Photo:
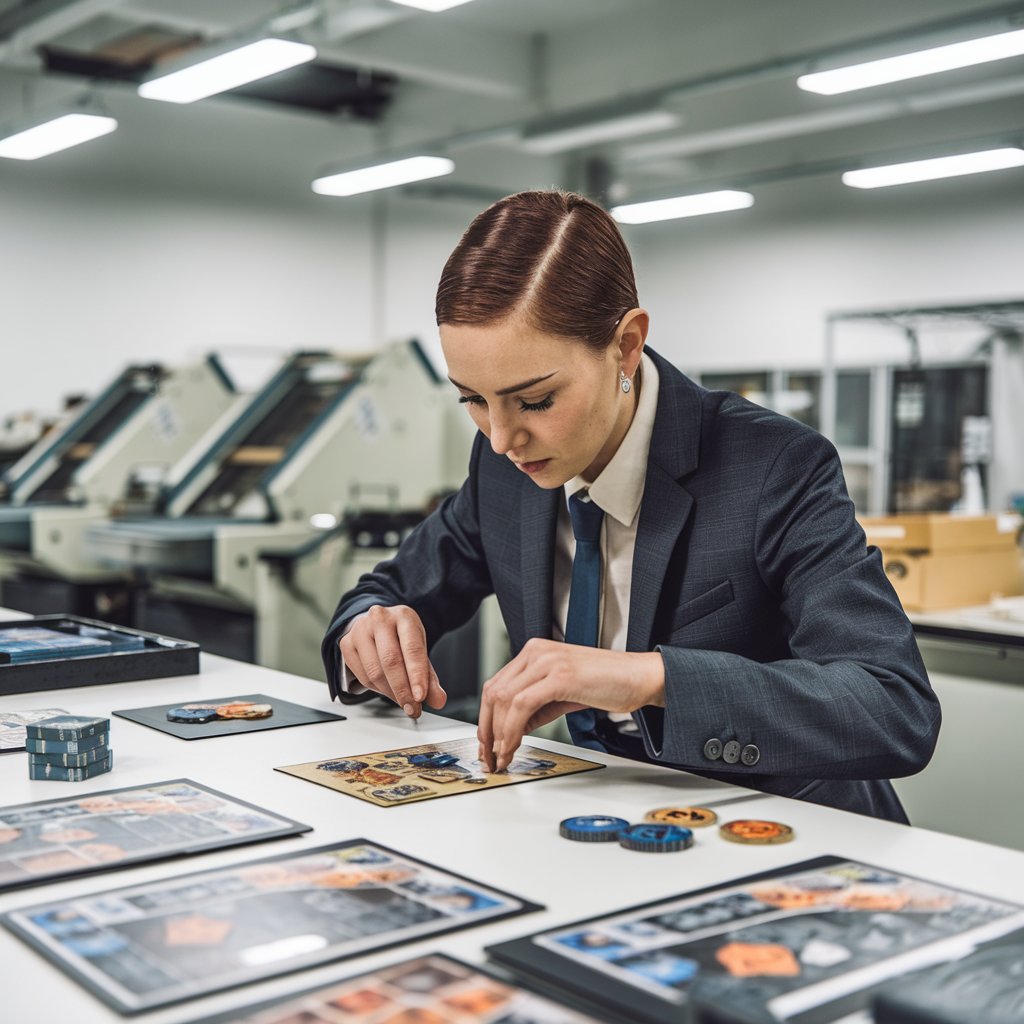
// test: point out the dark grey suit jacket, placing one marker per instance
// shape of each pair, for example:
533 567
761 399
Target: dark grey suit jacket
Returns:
777 625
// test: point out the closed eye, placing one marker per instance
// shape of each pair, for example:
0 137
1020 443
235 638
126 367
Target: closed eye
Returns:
545 403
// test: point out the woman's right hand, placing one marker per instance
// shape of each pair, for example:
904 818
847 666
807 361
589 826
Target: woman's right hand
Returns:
386 650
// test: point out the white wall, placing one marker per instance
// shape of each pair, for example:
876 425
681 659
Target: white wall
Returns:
93 280
753 288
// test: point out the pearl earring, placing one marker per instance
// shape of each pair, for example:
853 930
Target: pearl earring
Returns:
624 383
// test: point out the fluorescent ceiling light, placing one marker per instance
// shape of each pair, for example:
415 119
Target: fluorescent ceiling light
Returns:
682 206
929 170
434 6
914 65
397 172
55 135
228 71
561 134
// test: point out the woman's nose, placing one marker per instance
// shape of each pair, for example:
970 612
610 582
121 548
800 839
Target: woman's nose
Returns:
505 436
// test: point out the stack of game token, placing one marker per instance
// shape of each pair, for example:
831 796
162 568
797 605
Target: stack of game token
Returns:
69 748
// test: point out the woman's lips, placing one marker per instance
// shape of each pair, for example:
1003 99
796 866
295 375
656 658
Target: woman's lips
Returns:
533 467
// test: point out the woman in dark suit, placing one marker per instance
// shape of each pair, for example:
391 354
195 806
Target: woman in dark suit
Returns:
680 571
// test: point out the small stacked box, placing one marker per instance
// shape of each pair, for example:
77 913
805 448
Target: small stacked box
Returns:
69 748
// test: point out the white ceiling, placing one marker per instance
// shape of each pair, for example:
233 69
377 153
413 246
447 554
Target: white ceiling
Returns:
471 79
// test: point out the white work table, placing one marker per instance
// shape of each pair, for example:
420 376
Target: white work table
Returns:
507 838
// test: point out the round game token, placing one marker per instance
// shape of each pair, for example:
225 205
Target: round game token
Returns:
592 828
194 715
758 833
656 838
245 711
684 817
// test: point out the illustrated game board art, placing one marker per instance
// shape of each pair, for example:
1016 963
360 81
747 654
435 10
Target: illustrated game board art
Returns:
83 833
410 774
179 938
434 989
807 943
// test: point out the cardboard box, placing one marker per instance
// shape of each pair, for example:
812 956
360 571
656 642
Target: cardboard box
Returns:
942 532
945 561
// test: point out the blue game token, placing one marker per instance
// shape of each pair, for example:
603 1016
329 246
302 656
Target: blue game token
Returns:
191 714
592 828
433 759
656 838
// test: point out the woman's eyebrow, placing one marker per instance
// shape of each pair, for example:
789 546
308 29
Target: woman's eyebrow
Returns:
515 387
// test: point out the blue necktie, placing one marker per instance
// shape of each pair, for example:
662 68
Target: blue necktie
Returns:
582 620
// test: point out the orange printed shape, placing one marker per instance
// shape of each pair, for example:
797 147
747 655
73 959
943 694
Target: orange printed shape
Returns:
477 1000
871 899
785 897
758 960
195 930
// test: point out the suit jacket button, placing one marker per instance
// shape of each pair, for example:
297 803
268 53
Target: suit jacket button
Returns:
750 755
713 749
731 752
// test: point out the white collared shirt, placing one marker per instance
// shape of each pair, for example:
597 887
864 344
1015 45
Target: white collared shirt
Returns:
618 489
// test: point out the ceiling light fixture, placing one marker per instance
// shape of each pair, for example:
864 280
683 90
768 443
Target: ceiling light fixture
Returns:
228 70
940 167
434 6
915 65
682 206
561 133
54 135
387 175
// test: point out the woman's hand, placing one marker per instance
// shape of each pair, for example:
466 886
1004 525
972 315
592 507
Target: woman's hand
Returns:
386 650
548 679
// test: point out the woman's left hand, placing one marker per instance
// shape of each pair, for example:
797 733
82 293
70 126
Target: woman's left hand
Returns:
548 679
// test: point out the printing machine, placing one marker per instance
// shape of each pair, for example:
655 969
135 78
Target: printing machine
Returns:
109 457
315 480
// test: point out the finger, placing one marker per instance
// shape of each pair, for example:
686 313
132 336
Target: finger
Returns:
392 661
526 707
413 641
520 673
436 697
484 734
360 654
485 721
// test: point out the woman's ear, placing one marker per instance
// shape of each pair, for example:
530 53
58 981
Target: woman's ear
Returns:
632 332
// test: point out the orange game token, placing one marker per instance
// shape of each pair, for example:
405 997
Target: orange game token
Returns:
245 710
687 817
758 833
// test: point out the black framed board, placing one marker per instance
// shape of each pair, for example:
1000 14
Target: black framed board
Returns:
284 714
432 989
807 943
163 942
80 834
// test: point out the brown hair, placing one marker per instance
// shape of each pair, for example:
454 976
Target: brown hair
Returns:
555 258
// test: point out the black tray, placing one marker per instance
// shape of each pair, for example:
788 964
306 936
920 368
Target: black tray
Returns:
161 656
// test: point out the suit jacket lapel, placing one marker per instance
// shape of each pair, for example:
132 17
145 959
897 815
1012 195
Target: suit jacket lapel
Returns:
537 543
663 514
666 505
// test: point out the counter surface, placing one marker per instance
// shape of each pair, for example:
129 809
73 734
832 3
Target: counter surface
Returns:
507 838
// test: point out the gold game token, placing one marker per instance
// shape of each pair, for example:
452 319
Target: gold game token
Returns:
688 817
758 833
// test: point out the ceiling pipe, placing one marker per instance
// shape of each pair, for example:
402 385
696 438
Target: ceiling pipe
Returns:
776 129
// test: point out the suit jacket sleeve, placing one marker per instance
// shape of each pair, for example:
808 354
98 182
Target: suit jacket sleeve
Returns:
439 571
852 700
